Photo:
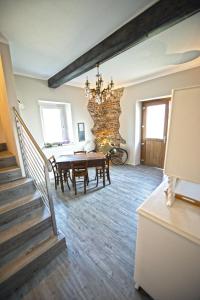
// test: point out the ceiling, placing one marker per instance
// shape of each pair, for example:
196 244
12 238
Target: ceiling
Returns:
173 50
47 35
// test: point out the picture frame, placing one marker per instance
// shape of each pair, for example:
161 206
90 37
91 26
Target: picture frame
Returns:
81 131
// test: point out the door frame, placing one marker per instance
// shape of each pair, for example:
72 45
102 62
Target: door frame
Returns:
144 104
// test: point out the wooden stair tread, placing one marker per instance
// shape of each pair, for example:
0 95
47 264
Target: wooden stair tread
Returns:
19 263
26 246
14 184
9 169
31 220
32 244
5 154
27 239
19 202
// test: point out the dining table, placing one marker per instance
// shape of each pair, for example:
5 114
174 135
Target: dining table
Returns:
93 159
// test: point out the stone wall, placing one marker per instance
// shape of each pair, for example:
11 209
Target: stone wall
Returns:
106 120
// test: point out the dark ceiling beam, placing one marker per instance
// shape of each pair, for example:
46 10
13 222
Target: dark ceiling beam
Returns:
155 19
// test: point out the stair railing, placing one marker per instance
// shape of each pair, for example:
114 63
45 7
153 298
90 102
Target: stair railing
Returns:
36 165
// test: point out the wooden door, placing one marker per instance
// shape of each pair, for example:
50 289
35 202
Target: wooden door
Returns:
154 132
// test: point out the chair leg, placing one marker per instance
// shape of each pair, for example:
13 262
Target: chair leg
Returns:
55 183
57 180
85 181
97 178
108 175
73 179
69 175
104 183
74 183
68 183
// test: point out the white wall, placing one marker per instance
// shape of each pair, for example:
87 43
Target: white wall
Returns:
29 91
150 89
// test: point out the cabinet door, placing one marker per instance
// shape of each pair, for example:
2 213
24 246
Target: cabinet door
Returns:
183 146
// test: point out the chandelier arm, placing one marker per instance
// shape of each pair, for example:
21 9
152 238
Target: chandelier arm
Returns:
99 93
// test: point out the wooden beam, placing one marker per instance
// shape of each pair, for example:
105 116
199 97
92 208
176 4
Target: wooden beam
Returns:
155 19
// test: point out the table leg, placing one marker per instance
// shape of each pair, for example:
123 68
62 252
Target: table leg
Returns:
61 181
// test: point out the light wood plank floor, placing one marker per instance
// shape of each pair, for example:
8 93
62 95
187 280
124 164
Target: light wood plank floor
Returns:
100 230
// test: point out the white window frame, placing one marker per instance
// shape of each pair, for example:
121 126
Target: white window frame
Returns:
66 120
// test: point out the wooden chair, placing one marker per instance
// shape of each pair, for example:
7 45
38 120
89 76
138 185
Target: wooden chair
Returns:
79 152
65 173
79 169
104 168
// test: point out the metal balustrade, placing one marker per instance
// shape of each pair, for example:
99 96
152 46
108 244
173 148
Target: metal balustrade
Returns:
36 165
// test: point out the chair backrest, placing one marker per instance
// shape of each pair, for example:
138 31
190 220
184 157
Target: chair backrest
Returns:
80 152
52 161
103 163
79 165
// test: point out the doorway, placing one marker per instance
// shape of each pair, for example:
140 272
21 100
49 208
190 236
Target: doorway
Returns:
154 132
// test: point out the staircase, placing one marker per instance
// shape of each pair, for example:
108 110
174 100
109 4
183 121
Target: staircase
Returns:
27 238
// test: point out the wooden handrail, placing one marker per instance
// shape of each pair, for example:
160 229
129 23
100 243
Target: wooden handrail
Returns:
46 162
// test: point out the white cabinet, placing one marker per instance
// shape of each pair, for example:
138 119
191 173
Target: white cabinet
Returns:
167 262
182 160
183 145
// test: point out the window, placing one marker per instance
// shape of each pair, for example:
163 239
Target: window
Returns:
155 121
56 122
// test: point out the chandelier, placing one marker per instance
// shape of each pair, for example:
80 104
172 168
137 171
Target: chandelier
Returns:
99 93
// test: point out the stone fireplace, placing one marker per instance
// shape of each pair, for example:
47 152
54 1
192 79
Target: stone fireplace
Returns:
106 120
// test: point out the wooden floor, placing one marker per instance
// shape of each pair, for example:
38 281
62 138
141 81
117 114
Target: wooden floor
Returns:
100 230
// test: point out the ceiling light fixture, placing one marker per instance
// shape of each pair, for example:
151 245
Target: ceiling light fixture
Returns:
99 93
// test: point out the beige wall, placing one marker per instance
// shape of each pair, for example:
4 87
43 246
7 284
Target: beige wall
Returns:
29 91
150 89
7 98
2 135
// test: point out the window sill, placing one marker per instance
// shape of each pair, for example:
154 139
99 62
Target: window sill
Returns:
58 146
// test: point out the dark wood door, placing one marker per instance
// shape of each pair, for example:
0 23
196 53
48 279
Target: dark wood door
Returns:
154 132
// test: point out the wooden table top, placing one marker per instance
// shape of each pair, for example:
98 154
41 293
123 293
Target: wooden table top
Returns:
93 160
80 157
